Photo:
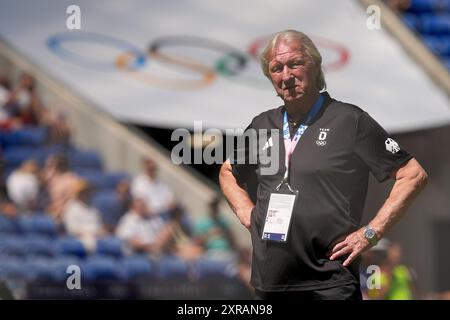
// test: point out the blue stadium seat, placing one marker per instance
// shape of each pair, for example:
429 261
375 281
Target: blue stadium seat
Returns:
109 206
13 268
172 267
447 62
113 178
39 268
412 21
435 24
43 153
439 45
100 180
14 156
109 246
28 136
85 159
420 6
39 246
209 267
100 268
60 264
70 246
12 246
136 267
8 225
38 224
95 177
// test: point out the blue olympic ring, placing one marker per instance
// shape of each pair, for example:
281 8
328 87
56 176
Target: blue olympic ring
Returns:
55 44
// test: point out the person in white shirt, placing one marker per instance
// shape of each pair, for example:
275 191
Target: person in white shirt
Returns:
147 186
23 185
142 230
81 220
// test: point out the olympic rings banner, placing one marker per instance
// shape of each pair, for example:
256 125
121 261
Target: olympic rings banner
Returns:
132 59
170 63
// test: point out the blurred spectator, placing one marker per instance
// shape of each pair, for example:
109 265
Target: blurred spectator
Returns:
8 208
122 205
399 5
24 102
182 244
124 195
397 281
142 230
4 97
23 185
157 195
59 130
59 182
80 219
213 232
400 279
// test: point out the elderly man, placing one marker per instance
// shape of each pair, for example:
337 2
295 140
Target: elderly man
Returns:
305 222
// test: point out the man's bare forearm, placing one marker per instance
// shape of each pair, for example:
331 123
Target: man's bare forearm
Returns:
236 195
410 180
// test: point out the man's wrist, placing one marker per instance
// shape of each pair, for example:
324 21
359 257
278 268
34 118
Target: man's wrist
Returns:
371 235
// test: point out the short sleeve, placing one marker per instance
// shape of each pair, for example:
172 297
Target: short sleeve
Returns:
377 149
243 162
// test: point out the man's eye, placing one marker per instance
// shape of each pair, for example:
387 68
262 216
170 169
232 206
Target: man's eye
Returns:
276 69
297 63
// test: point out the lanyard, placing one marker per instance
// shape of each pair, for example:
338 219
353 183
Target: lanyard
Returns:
289 145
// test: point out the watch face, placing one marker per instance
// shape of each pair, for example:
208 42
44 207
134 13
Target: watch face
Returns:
369 233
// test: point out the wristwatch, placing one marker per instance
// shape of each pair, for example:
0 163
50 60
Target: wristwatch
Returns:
370 235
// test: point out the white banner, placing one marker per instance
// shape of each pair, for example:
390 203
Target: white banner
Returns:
170 63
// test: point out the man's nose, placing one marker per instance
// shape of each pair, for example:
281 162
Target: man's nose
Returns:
287 74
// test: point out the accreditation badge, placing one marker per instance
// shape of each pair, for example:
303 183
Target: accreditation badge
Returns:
278 216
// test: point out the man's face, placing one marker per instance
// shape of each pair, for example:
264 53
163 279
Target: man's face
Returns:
292 71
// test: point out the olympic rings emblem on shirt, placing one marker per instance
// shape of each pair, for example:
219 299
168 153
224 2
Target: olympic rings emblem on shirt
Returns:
135 62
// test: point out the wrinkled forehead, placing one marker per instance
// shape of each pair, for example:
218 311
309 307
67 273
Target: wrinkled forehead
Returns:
284 46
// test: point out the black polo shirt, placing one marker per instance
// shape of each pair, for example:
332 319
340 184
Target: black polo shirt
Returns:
330 167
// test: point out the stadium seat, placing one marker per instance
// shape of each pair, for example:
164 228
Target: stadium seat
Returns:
12 246
28 136
215 268
100 268
172 267
14 156
439 45
85 159
60 264
39 268
94 177
43 153
8 225
107 203
136 267
100 180
420 6
113 178
435 24
13 268
109 246
38 246
38 224
70 246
